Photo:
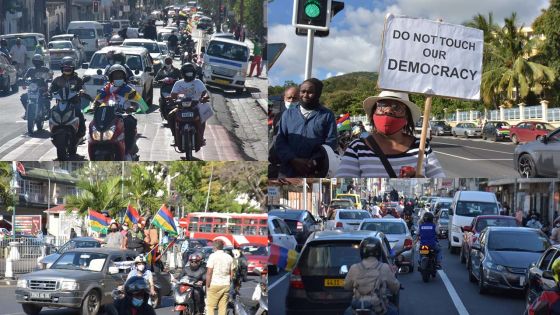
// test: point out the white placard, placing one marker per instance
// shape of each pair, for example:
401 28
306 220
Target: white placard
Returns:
430 57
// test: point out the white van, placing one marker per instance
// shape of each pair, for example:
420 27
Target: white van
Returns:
465 207
119 25
225 63
90 32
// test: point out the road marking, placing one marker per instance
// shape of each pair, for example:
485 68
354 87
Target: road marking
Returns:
464 158
466 146
278 281
453 294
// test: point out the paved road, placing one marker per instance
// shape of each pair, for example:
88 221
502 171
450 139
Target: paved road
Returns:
474 157
435 297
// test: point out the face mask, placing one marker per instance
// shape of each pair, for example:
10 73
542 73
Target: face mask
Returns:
290 104
140 267
136 302
168 67
388 125
118 82
113 230
67 72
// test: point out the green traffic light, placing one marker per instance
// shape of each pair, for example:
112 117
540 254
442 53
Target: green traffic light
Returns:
312 8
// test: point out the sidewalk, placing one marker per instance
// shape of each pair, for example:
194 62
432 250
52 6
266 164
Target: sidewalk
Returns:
260 83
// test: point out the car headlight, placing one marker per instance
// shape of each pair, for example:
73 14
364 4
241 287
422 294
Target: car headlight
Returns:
22 284
69 285
488 264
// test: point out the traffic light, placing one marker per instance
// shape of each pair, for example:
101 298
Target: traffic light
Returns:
95 6
335 7
312 14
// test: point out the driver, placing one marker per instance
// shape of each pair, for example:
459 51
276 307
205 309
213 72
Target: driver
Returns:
135 300
198 273
118 57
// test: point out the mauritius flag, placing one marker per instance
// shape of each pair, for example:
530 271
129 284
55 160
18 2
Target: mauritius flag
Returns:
131 216
164 220
98 222
343 123
282 257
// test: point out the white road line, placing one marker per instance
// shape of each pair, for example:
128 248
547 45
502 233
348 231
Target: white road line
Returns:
466 146
270 287
464 158
453 294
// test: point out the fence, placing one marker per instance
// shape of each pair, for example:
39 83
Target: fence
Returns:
26 251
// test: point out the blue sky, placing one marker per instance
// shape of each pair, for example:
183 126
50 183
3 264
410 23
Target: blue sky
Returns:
355 34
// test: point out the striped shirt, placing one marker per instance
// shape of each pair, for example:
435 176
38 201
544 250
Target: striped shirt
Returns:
360 161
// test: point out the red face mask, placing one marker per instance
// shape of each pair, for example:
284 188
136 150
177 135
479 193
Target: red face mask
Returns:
388 125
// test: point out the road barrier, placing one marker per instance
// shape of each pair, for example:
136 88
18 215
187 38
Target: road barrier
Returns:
23 252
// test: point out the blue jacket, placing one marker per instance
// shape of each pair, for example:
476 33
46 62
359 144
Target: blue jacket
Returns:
299 137
428 234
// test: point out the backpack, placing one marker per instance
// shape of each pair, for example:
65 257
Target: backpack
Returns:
370 288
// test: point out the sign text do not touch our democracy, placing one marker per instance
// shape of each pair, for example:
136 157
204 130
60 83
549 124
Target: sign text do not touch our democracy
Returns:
424 56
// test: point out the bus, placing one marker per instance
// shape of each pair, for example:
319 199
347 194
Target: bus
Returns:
233 228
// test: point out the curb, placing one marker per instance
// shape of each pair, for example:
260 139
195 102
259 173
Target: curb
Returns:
8 282
261 102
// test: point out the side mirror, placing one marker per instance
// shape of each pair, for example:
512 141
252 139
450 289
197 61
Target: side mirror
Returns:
466 229
547 274
85 65
343 270
99 72
113 270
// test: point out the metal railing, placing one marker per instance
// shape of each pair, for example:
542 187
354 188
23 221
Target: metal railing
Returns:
533 112
554 114
24 252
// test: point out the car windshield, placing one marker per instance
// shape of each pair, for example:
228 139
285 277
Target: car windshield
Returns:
78 244
325 259
60 45
516 241
340 203
483 223
439 123
80 261
385 227
469 125
444 205
475 208
152 48
353 215
83 33
254 250
289 214
99 61
228 51
28 41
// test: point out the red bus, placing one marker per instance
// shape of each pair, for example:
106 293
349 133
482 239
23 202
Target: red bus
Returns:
233 228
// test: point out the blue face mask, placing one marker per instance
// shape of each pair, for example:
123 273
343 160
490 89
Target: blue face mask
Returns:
118 82
136 302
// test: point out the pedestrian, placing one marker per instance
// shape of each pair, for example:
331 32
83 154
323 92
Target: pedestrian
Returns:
555 234
290 98
519 217
19 55
114 238
257 58
72 233
303 129
219 275
391 147
264 57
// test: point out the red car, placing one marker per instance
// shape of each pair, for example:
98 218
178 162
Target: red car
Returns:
470 233
257 257
529 131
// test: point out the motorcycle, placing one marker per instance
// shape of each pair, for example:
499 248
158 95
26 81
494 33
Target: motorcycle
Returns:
427 264
36 95
165 84
186 114
263 301
64 124
106 131
183 294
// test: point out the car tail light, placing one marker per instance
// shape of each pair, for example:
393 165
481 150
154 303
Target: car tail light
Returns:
299 226
339 224
408 242
295 279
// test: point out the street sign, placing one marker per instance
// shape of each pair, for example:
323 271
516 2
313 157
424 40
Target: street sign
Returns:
28 224
273 51
273 191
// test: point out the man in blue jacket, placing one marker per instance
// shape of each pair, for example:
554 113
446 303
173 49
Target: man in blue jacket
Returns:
303 129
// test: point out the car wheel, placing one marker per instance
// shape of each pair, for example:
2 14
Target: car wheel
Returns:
526 166
466 135
31 309
91 304
495 137
481 287
514 139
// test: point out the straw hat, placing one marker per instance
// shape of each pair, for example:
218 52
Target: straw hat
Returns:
390 95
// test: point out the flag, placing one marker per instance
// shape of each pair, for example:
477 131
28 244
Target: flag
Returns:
98 222
151 255
164 220
131 216
343 123
20 168
282 257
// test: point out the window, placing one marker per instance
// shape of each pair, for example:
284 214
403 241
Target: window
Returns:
220 228
228 51
29 42
235 229
83 33
325 259
547 258
252 230
207 228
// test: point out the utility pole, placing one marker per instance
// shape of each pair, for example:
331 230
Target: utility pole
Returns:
241 12
209 185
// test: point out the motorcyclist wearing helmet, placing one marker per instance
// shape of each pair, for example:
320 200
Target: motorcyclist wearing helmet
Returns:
141 270
549 300
427 235
135 301
363 276
172 41
4 49
69 78
118 57
38 72
118 88
168 70
197 272
195 89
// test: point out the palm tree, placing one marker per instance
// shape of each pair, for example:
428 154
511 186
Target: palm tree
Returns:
7 196
145 187
98 195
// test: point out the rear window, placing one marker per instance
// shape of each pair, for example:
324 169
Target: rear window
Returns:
351 198
353 215
341 204
29 42
84 33
475 208
325 259
152 48
60 45
481 224
290 215
385 227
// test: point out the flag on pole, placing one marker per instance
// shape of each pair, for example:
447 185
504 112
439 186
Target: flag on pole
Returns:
164 220
150 258
343 123
20 168
131 216
282 257
98 222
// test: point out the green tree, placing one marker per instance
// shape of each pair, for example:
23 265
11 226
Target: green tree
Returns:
242 177
145 186
97 195
252 15
7 195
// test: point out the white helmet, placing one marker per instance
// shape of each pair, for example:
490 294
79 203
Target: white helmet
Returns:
140 260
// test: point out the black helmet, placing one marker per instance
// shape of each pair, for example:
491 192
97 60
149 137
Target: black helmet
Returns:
113 69
370 247
38 60
168 60
195 259
117 56
136 285
428 217
188 71
67 62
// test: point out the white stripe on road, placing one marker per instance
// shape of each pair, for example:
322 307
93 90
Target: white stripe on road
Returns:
270 287
453 294
466 146
464 158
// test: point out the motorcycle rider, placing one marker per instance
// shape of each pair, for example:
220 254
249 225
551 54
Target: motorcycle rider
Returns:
39 71
371 280
4 49
167 71
117 86
118 57
141 271
194 88
408 211
196 271
427 235
135 301
172 41
549 300
534 223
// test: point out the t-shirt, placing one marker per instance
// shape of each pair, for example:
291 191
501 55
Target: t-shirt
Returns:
114 239
222 265
19 54
191 89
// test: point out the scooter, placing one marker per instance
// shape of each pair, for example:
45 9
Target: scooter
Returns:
427 264
263 301
64 124
186 115
183 294
165 106
36 95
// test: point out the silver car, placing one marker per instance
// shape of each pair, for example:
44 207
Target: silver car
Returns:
346 219
63 48
153 48
540 157
467 130
78 242
398 235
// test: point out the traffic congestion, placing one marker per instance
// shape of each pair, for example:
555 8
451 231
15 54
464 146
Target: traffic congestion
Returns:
389 251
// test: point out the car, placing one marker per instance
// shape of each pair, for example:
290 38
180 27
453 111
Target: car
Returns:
223 35
8 76
441 203
271 207
539 158
107 28
501 257
60 49
226 63
257 257
78 242
418 129
30 41
472 231
341 203
153 48
467 130
119 24
398 235
440 127
301 223
70 37
163 34
317 280
355 198
442 223
280 234
206 251
115 40
346 219
91 33
164 49
496 130
539 275
139 61
529 131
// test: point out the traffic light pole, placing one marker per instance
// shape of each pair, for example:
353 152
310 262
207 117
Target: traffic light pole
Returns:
309 54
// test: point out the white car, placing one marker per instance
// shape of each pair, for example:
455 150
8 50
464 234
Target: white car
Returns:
346 219
418 129
281 233
137 59
153 48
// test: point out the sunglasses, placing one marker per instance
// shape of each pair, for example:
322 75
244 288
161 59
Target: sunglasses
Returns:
396 107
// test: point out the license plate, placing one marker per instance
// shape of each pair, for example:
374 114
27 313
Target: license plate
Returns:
522 280
424 251
222 81
187 115
334 282
40 295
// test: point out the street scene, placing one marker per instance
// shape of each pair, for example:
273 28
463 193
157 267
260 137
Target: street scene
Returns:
448 71
152 237
496 240
154 41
